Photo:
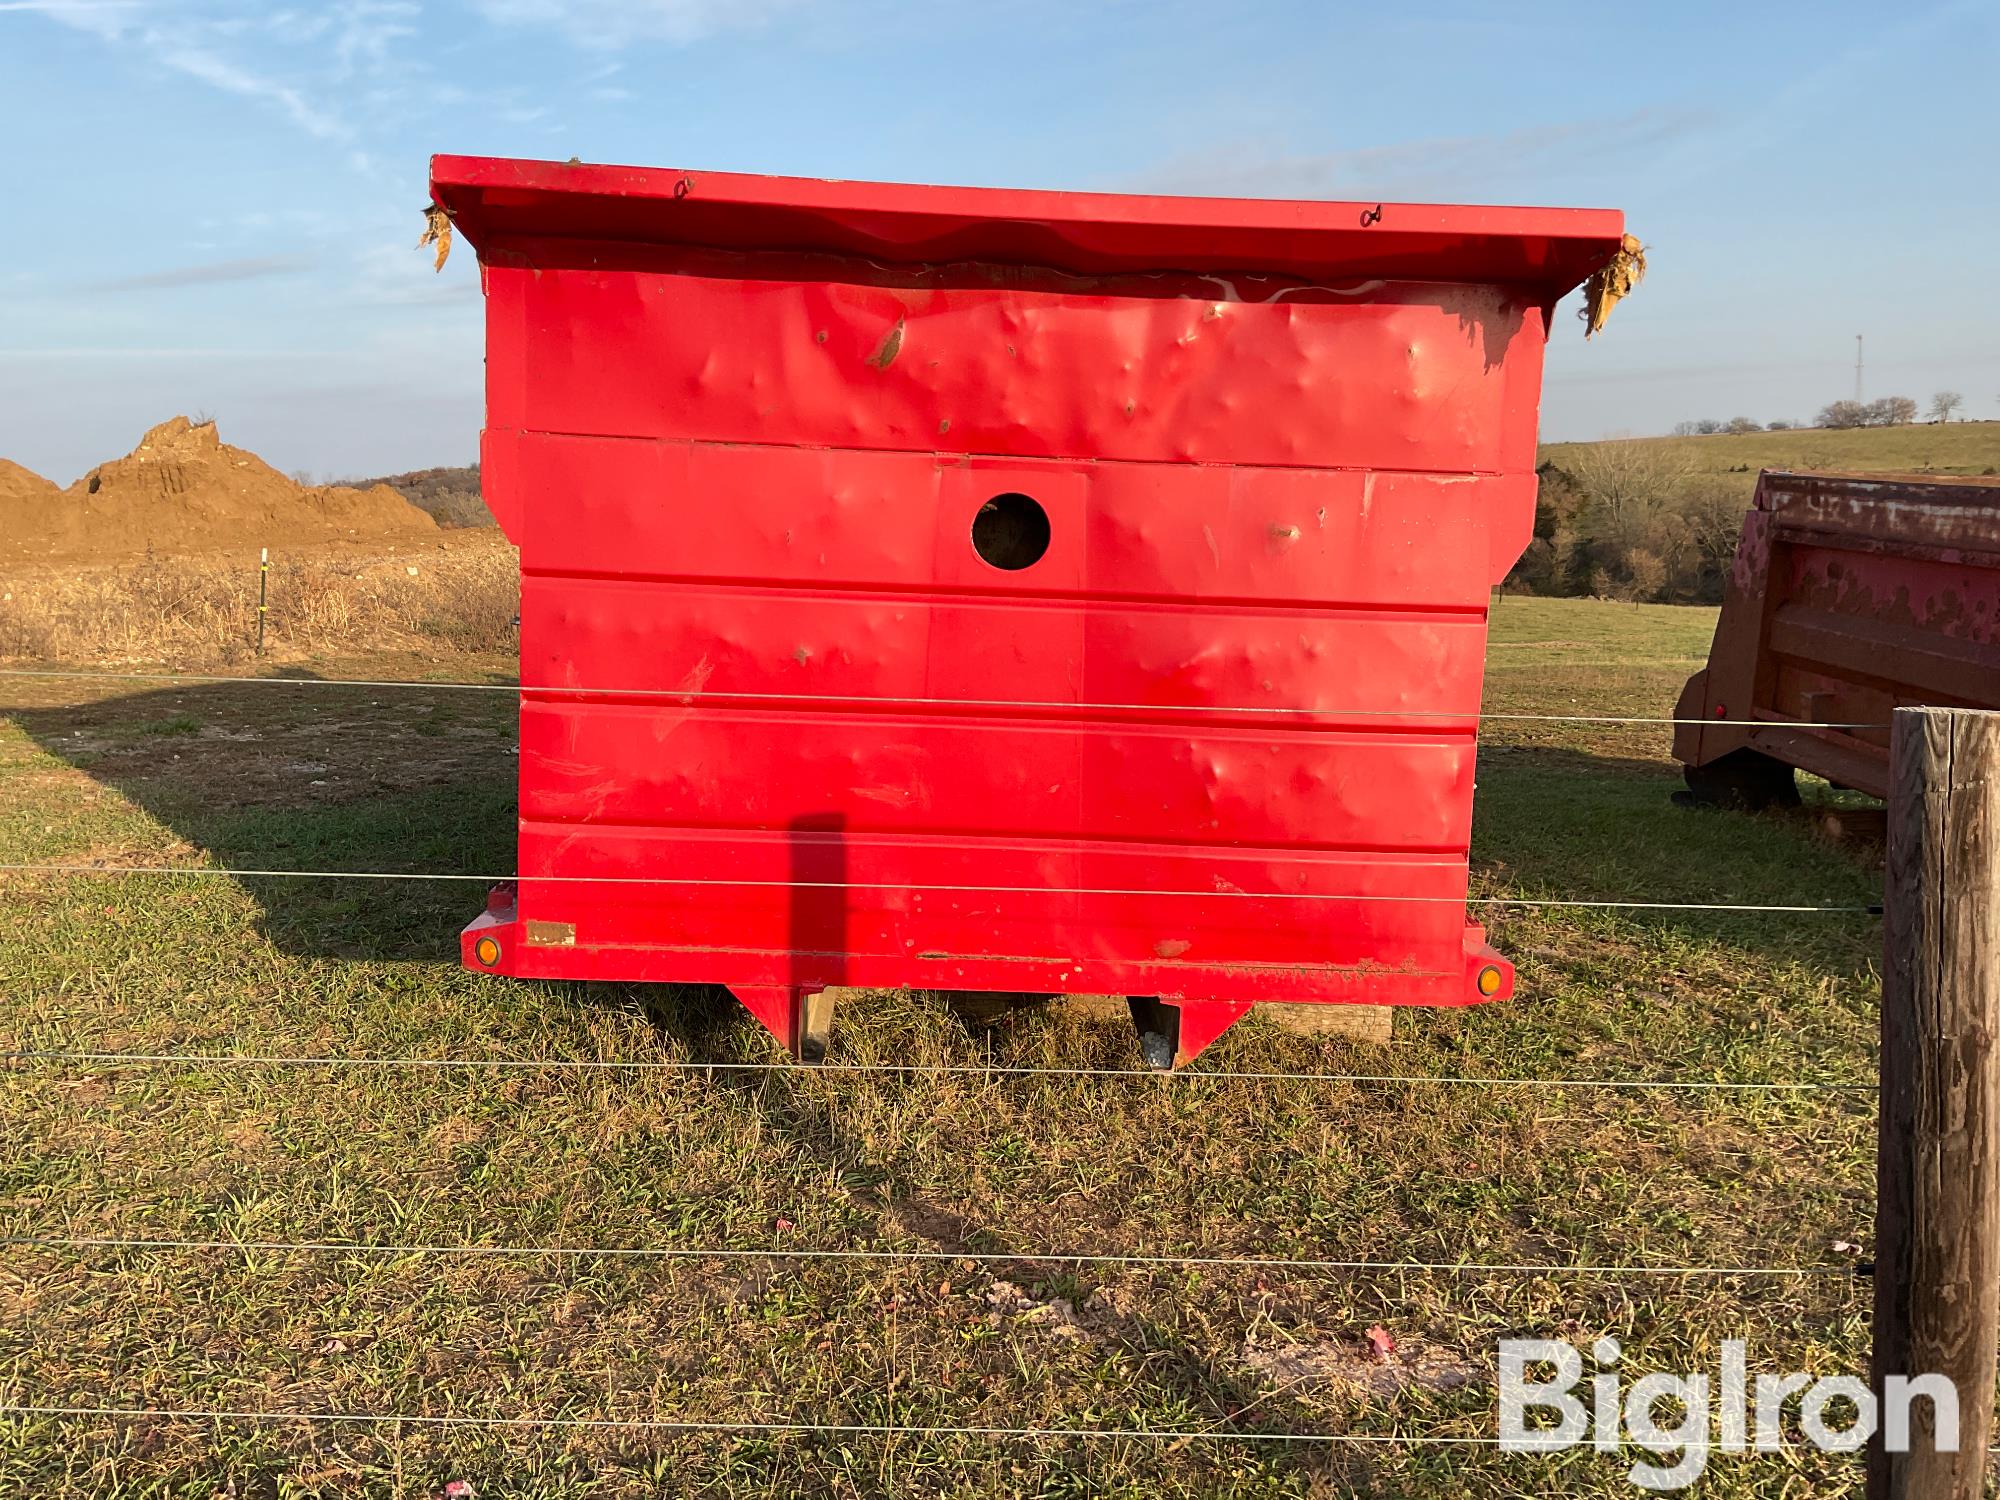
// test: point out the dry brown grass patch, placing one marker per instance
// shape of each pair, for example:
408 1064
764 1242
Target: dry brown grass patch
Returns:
202 611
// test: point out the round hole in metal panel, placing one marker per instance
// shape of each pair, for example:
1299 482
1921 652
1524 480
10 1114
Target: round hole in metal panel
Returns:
1011 531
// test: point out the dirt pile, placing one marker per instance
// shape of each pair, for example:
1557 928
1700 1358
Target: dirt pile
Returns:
448 496
21 488
185 490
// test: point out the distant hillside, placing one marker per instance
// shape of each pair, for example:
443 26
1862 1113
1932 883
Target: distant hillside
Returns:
1923 447
451 496
1657 519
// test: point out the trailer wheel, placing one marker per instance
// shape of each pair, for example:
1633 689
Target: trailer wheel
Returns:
1742 780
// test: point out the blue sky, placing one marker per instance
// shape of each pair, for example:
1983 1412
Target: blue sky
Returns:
210 207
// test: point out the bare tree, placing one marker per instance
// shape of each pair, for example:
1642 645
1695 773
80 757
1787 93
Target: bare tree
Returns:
1843 414
1892 411
1621 481
1635 519
1741 425
1714 510
1944 403
1648 574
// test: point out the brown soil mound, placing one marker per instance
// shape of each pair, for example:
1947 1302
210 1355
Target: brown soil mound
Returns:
20 488
185 490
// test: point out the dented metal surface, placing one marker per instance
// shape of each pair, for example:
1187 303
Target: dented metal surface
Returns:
1850 595
1272 459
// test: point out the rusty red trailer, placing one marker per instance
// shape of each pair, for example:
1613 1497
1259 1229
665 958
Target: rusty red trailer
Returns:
1003 591
1850 595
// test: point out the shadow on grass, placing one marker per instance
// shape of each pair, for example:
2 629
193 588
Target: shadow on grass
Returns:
808 1120
345 779
315 779
237 802
377 795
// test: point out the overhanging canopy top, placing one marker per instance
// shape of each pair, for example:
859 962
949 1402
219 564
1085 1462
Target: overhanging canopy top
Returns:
1550 249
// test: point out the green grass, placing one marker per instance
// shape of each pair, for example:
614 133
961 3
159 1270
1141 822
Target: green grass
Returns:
951 1162
1942 448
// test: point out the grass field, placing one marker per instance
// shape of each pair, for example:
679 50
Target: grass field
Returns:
1922 447
971 1163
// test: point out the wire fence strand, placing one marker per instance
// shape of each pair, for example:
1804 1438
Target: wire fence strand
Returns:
735 882
723 696
980 1257
663 1425
194 1060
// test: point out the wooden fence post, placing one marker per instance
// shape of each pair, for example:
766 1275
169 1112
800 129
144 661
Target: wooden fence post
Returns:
1937 1210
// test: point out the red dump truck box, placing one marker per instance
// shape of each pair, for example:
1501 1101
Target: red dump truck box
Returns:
1002 591
1851 595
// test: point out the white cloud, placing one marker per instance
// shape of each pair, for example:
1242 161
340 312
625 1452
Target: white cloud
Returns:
67 9
366 30
1447 166
246 269
104 18
233 78
618 23
293 61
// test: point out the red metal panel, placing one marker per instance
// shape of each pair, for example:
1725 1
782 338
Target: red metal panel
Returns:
913 653
786 727
737 349
950 914
721 767
1180 535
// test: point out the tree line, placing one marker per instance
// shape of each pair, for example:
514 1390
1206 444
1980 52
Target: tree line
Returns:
1889 411
1637 518
1631 520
